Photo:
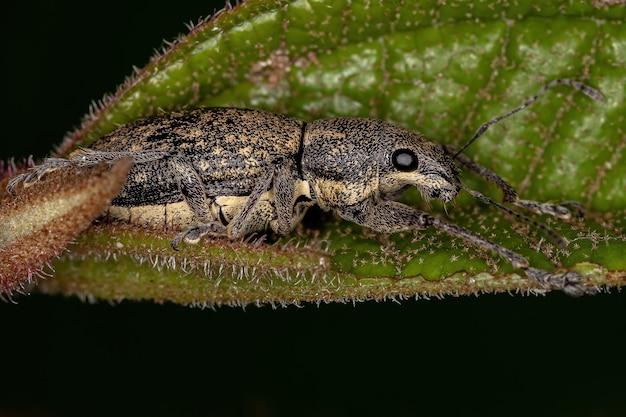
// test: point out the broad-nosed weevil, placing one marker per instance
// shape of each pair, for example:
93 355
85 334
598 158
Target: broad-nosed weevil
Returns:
229 171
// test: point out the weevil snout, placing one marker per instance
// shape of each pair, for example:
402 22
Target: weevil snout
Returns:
433 180
441 187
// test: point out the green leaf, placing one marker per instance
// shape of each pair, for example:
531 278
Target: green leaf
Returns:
440 69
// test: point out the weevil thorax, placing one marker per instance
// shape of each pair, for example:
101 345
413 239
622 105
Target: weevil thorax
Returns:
348 160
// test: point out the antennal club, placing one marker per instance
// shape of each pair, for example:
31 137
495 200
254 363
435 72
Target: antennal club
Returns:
588 91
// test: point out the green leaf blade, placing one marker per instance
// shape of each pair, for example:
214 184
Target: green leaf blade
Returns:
442 70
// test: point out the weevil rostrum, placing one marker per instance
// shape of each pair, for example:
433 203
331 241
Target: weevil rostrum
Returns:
230 171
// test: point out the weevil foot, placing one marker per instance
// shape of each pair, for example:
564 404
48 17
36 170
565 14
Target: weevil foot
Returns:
35 173
575 207
193 234
564 211
568 282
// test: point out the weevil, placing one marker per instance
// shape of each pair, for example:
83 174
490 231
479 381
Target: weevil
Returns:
230 171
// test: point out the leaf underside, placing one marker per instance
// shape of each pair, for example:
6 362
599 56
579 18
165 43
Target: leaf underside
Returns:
439 69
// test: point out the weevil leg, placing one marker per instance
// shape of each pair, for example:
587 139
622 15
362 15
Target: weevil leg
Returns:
240 224
285 179
568 282
560 241
193 234
560 211
82 158
191 187
252 216
282 178
392 216
385 216
35 173
85 156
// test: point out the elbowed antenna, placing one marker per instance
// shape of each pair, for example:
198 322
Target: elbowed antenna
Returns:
588 91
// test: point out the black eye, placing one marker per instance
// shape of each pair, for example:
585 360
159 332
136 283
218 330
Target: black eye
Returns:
404 160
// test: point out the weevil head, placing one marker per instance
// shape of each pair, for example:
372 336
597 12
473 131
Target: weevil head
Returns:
348 160
410 160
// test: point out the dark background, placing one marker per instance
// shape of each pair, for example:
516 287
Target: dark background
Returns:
488 355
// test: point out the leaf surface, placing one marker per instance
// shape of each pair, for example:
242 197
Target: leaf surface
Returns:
440 69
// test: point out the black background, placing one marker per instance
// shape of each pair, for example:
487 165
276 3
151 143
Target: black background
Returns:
488 355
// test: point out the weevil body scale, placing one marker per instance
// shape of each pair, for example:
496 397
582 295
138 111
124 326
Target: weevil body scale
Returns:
232 172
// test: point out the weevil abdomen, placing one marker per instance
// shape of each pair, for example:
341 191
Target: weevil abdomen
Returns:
211 157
